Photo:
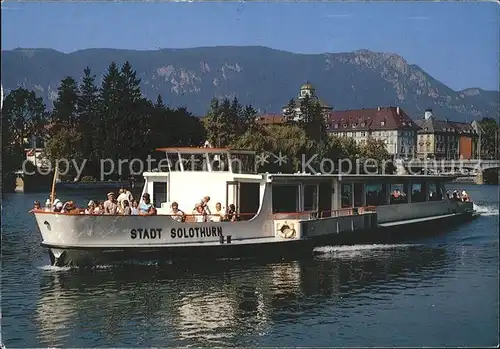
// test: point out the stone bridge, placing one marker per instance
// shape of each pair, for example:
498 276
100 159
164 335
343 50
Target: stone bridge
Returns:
476 164
451 167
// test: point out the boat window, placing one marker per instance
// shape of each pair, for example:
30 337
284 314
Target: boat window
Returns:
285 198
432 192
375 195
193 162
398 194
169 163
243 163
310 197
346 195
441 191
358 194
159 193
418 192
219 162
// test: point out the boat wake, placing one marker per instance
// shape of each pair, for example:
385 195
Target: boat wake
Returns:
53 268
356 251
486 210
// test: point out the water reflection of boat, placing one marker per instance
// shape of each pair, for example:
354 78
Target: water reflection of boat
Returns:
216 303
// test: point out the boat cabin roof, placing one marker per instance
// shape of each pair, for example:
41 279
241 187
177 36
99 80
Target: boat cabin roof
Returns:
208 159
202 150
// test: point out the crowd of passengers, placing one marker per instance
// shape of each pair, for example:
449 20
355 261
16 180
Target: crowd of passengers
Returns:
458 195
125 204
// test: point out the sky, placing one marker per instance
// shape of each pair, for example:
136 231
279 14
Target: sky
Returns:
455 42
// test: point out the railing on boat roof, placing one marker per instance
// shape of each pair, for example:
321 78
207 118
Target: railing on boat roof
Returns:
207 159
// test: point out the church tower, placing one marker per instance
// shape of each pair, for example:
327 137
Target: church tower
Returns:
307 90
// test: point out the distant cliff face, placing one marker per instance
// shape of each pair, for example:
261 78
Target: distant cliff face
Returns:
260 76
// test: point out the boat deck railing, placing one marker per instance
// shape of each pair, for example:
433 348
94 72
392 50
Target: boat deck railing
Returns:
304 215
342 212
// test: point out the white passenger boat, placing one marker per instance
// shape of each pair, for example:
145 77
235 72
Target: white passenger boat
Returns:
279 214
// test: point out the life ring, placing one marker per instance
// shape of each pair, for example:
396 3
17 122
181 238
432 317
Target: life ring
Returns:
287 231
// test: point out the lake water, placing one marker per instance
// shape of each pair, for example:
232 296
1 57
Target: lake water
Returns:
441 291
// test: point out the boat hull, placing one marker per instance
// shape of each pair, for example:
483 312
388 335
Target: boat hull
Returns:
62 255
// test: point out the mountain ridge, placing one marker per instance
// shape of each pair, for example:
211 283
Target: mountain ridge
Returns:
264 77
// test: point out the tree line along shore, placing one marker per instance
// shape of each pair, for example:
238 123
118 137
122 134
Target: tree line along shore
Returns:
113 120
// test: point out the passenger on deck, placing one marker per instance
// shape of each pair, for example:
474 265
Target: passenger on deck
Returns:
58 207
145 205
175 213
100 207
122 196
111 205
127 210
204 204
37 206
135 207
200 215
90 207
465 197
130 197
54 200
153 211
70 207
47 207
219 215
231 213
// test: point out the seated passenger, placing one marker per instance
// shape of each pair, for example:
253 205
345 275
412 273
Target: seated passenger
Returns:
127 211
135 207
465 197
58 207
122 196
231 213
145 205
100 208
111 205
201 215
47 207
54 200
70 207
36 206
218 215
153 211
90 207
175 213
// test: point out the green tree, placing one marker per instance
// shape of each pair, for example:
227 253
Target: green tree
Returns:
219 128
65 112
312 120
489 138
24 117
289 112
376 151
110 111
91 127
65 141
